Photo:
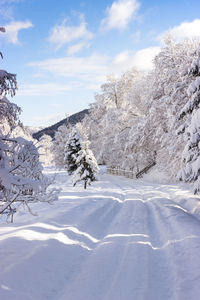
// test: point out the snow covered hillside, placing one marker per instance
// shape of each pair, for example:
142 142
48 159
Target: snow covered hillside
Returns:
119 240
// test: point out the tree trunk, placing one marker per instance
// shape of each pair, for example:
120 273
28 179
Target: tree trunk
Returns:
85 184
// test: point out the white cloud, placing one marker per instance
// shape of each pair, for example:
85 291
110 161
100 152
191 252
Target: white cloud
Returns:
184 30
77 47
119 14
94 87
121 57
63 34
7 8
142 60
43 89
12 30
91 71
91 68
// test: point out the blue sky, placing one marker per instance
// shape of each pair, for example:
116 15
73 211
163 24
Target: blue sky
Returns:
62 50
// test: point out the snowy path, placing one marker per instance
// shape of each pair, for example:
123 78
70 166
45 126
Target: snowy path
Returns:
119 240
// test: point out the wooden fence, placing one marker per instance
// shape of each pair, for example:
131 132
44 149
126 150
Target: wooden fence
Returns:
145 170
130 173
121 172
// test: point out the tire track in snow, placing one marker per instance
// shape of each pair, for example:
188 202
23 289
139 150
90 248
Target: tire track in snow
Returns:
139 247
126 221
166 256
172 235
183 237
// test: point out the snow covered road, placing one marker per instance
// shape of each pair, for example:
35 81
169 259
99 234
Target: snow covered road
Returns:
119 240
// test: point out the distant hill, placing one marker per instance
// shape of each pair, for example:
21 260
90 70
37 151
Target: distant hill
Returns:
33 129
73 119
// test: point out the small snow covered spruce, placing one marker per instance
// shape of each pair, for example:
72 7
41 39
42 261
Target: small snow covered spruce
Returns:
87 167
72 148
191 154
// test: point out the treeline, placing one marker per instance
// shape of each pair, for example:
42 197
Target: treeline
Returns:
142 118
139 118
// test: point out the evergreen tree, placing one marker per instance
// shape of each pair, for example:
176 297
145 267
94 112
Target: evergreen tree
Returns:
87 168
72 148
191 154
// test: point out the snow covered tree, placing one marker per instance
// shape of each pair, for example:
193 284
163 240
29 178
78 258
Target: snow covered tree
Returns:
21 178
44 149
72 148
162 95
58 145
87 167
191 154
111 116
135 115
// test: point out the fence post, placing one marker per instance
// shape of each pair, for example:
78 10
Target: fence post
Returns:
118 171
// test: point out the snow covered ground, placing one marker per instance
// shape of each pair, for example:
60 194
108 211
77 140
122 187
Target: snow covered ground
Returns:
119 240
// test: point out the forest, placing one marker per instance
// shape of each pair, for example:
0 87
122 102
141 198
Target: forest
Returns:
138 120
145 118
